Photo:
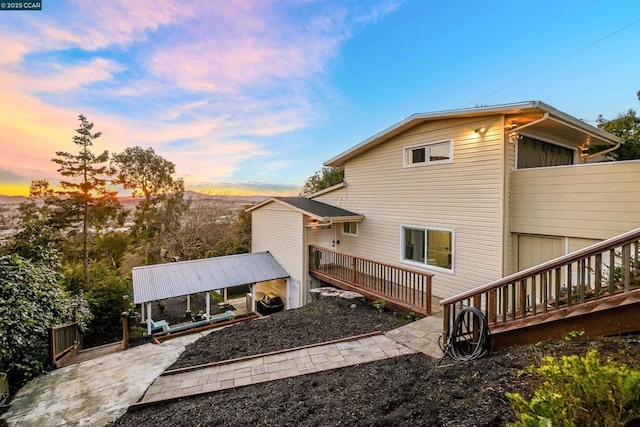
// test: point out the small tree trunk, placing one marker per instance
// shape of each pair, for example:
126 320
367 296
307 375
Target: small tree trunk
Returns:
85 250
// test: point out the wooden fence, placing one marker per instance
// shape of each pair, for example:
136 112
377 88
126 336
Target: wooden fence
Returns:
65 341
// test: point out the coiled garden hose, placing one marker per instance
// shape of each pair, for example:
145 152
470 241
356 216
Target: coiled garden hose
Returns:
464 342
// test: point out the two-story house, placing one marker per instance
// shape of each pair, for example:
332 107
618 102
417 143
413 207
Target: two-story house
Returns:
455 198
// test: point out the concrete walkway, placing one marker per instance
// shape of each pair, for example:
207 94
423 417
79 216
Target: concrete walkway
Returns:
263 368
421 335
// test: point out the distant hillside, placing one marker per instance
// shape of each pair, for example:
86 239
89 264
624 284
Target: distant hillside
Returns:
130 201
235 199
13 199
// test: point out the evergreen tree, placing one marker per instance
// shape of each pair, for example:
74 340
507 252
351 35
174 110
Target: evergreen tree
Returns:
84 196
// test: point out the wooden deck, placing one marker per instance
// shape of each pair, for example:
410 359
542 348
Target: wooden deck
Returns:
595 289
405 289
92 353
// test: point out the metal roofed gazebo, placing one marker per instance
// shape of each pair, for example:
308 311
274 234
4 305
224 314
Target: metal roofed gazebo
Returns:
174 279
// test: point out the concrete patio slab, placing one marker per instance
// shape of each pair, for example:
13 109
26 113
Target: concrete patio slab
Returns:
94 392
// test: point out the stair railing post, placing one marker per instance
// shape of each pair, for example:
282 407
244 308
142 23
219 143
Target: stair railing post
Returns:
125 323
353 270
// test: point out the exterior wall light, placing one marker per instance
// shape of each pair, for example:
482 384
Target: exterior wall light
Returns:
584 150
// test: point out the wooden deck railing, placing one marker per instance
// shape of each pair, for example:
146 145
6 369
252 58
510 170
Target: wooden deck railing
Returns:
402 287
601 271
64 339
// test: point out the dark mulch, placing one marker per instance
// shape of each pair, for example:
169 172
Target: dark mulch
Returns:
320 321
412 390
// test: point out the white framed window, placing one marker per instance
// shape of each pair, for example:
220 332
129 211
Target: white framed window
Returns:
430 247
431 153
350 229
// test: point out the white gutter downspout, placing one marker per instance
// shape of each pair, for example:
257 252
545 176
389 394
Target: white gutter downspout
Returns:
544 117
600 153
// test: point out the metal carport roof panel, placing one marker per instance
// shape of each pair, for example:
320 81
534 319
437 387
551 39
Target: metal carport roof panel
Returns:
161 281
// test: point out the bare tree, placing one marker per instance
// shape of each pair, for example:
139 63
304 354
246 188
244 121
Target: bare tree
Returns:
207 222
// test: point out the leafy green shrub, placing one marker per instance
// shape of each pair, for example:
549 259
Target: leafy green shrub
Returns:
380 305
573 335
32 302
136 332
111 247
73 279
581 391
79 311
106 289
411 316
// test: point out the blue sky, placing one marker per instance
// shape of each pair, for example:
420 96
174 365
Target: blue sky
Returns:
251 97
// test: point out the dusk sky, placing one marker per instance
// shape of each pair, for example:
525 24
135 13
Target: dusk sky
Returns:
251 97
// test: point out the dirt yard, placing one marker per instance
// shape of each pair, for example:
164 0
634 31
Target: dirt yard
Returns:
412 390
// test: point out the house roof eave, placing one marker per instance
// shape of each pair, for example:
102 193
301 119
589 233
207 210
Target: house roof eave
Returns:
504 109
328 190
290 204
261 204
354 218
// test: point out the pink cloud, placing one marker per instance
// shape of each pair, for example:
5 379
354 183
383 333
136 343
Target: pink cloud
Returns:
63 79
251 51
216 75
96 25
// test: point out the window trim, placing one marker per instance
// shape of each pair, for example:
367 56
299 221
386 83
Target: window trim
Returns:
425 265
407 150
344 233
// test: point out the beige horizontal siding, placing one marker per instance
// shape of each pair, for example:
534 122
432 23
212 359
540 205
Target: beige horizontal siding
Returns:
465 196
594 201
575 244
279 230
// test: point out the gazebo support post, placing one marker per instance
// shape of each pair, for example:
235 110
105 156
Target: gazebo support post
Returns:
142 312
225 295
189 304
149 318
208 304
253 297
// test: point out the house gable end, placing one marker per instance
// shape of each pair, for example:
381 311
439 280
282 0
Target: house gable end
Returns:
536 115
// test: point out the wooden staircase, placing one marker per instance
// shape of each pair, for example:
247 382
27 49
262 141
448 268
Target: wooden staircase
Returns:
595 290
